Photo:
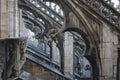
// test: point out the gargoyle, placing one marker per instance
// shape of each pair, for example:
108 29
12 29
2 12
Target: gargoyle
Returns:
55 35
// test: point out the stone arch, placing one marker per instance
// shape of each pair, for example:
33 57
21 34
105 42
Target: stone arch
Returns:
94 44
96 63
84 36
92 38
89 57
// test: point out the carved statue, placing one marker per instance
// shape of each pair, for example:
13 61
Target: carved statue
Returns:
51 35
13 58
22 49
55 35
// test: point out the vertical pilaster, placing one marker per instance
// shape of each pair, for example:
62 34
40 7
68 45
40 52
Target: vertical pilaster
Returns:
13 20
68 47
3 18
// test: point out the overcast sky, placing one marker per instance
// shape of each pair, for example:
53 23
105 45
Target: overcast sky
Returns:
116 2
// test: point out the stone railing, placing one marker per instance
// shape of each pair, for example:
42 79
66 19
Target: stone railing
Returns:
105 9
49 10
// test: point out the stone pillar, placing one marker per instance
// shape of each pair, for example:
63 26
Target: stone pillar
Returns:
108 53
13 19
9 18
3 18
68 48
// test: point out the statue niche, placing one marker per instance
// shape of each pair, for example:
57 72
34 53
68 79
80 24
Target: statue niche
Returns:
14 58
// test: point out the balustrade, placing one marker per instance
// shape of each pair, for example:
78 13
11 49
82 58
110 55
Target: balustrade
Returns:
106 9
50 9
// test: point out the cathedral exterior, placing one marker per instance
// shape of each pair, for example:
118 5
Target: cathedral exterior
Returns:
59 40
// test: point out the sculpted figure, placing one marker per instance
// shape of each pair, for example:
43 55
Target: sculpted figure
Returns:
55 35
